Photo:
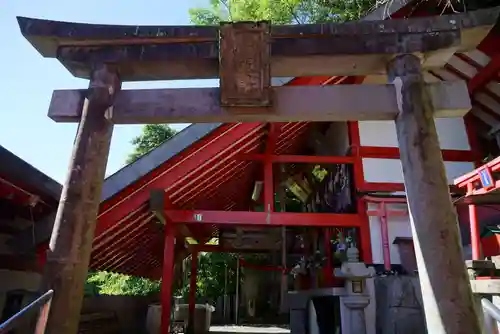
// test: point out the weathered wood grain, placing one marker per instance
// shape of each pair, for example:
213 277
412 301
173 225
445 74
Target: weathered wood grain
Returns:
447 296
187 52
244 64
290 103
73 232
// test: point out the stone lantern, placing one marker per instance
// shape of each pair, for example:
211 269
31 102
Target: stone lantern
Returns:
356 297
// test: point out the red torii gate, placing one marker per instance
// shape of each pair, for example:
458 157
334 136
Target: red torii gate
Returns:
482 186
110 56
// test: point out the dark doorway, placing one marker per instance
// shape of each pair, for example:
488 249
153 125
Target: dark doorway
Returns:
13 304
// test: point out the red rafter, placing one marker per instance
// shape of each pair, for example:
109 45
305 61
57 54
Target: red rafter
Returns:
125 233
484 75
202 158
180 188
227 171
298 158
110 258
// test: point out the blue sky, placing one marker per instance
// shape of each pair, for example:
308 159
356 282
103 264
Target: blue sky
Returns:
28 79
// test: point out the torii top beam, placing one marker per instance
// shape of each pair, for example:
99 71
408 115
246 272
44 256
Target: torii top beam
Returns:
191 52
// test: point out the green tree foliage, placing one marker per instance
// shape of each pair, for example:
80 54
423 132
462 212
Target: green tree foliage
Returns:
212 272
310 11
217 274
105 283
282 11
152 136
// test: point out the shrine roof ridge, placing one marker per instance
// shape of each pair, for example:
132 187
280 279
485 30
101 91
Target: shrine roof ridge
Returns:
193 51
18 171
127 175
61 33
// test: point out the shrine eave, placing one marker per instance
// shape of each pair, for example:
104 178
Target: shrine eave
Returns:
191 52
27 178
129 174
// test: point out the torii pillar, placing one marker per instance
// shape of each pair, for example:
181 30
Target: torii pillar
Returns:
73 232
446 292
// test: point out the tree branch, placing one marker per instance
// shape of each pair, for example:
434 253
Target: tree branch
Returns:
292 11
228 8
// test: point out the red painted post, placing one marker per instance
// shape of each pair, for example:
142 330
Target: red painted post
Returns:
475 239
359 181
192 289
328 253
41 322
166 282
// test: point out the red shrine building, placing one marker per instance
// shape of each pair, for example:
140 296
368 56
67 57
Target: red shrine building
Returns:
293 189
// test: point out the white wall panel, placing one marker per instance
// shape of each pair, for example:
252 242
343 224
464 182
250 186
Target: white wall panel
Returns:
451 132
397 227
390 170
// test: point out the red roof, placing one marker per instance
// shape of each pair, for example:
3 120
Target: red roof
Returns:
206 175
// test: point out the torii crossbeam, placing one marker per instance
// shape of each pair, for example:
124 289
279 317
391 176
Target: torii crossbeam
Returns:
245 56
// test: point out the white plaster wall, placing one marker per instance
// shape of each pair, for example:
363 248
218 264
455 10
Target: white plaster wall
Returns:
452 136
390 170
397 226
451 132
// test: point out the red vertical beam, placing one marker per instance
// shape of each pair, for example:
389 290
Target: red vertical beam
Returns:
192 288
359 181
268 168
41 255
168 273
475 239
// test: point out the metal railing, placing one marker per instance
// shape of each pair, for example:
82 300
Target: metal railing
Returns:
42 303
491 316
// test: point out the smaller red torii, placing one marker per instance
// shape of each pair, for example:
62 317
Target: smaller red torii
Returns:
482 188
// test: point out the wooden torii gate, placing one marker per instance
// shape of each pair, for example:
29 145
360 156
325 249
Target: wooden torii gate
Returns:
245 56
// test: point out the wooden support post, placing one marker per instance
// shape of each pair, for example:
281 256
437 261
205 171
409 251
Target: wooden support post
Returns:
192 290
384 232
237 294
475 234
167 277
447 296
73 232
284 274
328 254
272 136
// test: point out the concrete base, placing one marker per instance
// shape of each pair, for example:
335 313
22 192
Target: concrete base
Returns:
298 303
486 286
